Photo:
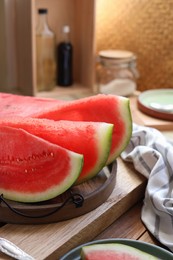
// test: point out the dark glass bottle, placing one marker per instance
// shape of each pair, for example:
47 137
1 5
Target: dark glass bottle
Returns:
65 59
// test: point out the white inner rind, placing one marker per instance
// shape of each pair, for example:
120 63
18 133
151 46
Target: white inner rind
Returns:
103 137
125 113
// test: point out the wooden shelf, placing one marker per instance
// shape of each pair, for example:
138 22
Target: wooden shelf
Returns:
79 15
66 93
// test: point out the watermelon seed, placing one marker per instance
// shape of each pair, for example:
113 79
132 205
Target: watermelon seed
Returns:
44 154
14 160
26 170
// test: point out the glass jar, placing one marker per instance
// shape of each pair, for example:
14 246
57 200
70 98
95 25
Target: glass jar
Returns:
117 72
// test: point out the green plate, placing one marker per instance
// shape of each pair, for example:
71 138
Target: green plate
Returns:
149 102
156 251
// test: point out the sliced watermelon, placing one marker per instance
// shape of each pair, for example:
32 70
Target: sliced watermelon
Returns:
12 105
100 108
32 169
92 139
114 251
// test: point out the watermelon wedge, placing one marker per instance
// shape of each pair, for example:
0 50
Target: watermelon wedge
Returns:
100 108
32 169
92 139
114 251
12 105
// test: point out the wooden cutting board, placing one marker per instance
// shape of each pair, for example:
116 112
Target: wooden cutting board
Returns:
143 119
50 241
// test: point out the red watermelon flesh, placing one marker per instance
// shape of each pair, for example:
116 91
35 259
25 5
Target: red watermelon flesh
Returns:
12 105
92 139
100 108
32 169
114 252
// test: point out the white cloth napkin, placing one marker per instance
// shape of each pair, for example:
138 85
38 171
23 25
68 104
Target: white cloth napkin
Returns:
152 155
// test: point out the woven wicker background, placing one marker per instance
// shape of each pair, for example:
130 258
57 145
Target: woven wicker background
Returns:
144 27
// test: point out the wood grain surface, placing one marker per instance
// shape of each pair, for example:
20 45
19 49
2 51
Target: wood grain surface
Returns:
130 226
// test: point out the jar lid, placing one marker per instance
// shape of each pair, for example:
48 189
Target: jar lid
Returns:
117 54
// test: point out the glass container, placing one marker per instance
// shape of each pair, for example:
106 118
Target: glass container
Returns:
117 72
45 53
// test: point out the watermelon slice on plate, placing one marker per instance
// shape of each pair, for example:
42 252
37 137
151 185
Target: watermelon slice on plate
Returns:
32 169
135 248
114 252
92 139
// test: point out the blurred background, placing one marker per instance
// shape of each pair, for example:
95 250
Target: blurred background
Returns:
143 27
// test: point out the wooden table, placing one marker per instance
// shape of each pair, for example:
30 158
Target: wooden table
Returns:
130 226
117 217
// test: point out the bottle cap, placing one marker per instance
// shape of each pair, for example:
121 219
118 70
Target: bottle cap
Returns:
66 29
42 11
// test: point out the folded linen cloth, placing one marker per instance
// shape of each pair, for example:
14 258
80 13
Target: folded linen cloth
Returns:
152 155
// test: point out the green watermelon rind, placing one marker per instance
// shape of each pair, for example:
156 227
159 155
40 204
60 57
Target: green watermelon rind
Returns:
125 112
118 249
52 192
104 137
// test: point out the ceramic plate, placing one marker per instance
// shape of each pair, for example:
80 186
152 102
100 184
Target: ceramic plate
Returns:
148 248
155 103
